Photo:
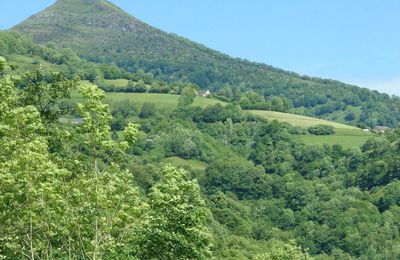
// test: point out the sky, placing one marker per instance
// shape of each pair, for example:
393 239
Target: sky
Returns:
355 41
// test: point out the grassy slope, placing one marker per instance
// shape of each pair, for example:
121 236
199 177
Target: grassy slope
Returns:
117 82
26 63
298 120
162 101
347 136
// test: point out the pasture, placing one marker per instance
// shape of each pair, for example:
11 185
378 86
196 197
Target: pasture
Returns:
162 101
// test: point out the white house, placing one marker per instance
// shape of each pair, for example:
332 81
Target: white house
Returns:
203 93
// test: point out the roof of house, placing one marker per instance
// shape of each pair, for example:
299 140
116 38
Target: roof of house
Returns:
203 91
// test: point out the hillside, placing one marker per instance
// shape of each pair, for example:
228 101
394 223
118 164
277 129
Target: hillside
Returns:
103 33
102 186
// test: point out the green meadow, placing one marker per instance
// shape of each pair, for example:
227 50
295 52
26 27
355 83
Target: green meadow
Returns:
162 101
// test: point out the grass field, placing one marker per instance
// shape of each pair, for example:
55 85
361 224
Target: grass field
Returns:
26 63
345 137
179 162
119 83
162 101
298 120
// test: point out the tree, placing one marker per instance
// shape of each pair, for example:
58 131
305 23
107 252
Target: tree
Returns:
281 251
175 227
45 90
148 110
277 103
74 203
350 116
187 96
105 205
2 63
237 175
31 187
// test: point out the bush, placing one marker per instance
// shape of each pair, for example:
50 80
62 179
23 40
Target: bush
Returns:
321 130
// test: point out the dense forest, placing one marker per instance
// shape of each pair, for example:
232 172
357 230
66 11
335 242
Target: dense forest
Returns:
101 32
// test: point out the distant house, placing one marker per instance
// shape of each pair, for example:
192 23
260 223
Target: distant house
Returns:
365 130
75 120
203 93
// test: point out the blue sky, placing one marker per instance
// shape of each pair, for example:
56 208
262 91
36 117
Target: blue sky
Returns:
355 41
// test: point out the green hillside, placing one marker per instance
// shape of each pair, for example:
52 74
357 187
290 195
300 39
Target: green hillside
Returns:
162 101
101 32
347 136
298 120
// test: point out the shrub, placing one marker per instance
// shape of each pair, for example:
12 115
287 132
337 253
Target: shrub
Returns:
321 130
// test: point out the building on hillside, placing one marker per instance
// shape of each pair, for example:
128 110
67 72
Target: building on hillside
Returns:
203 93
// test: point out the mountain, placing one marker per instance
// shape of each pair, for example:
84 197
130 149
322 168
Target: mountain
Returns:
101 32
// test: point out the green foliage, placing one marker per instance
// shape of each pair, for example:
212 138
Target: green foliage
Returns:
187 97
148 110
2 63
45 92
75 200
281 251
175 225
131 133
31 186
238 176
321 130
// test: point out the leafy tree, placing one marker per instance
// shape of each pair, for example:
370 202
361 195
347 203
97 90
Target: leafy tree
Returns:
187 97
105 205
2 63
321 130
350 116
175 227
31 189
238 176
281 251
148 110
44 91
140 86
80 206
277 103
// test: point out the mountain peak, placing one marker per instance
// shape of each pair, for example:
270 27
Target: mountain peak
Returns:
67 19
83 6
